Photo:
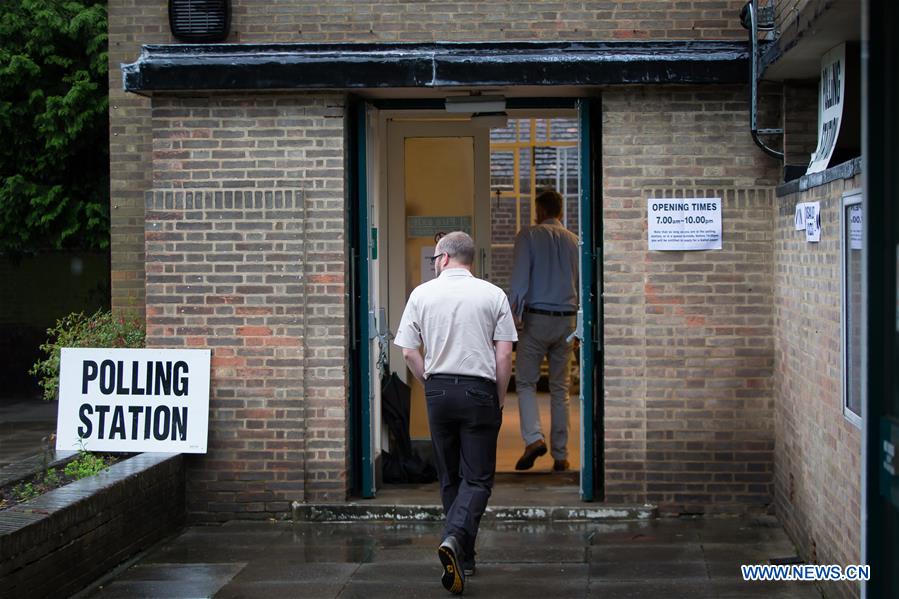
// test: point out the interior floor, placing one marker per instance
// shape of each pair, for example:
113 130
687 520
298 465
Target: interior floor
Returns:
537 486
510 445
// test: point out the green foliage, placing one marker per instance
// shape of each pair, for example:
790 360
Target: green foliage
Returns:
86 464
51 478
54 159
24 492
100 329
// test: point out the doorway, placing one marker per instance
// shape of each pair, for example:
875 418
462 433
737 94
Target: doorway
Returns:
430 173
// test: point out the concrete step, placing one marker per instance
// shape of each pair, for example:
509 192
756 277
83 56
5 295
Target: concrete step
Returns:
370 512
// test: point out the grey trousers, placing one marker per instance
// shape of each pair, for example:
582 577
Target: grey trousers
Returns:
544 336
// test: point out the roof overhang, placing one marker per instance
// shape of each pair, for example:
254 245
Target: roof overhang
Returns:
816 28
245 67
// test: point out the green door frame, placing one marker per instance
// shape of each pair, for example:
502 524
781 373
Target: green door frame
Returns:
589 319
361 243
590 313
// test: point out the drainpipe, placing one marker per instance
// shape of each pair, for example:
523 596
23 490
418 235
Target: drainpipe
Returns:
751 12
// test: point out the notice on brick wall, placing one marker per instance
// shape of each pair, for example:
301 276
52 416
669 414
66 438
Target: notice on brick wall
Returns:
133 400
812 212
808 218
684 223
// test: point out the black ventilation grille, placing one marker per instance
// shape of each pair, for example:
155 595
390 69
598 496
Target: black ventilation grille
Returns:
200 20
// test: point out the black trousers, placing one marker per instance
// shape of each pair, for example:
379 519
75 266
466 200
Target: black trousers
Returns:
465 417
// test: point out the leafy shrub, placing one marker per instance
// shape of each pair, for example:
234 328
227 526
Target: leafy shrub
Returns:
24 492
100 329
86 464
51 478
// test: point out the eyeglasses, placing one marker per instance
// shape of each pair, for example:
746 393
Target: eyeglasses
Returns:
434 258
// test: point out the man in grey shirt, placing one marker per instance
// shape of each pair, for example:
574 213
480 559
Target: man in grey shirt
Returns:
467 330
544 298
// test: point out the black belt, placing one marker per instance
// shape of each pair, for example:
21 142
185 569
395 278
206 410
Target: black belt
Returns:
457 378
549 312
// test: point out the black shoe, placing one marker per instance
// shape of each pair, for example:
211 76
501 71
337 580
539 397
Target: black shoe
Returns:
531 453
450 554
469 569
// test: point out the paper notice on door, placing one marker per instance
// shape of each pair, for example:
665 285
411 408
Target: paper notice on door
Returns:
856 228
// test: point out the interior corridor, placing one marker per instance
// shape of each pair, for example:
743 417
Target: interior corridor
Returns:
510 446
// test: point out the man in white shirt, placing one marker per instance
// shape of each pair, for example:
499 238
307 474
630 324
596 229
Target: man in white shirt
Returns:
467 330
544 298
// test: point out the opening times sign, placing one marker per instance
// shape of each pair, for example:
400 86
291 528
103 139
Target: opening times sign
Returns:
684 223
133 400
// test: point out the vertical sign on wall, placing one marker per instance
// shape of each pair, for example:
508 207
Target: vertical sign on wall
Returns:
830 107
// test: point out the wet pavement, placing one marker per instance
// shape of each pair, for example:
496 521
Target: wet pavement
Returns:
24 426
694 558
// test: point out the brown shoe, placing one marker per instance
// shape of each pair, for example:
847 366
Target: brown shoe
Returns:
560 465
531 453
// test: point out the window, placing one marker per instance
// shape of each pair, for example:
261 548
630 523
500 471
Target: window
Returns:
852 242
528 156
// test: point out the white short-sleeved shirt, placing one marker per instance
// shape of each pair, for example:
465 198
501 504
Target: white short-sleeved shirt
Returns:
457 317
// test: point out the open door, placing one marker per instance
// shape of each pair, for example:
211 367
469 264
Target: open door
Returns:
588 315
437 182
367 331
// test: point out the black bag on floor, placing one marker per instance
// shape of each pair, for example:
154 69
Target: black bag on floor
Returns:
401 464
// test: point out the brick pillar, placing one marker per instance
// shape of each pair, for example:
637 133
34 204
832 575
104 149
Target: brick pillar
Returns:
246 255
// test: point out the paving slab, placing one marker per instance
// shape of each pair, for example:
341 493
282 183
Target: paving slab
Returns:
668 558
652 589
170 580
25 423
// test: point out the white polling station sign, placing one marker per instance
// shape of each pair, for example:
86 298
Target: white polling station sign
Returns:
684 223
133 400
830 107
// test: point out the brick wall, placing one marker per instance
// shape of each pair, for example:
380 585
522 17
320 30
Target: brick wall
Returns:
688 335
411 20
136 22
818 451
131 23
58 543
245 242
800 99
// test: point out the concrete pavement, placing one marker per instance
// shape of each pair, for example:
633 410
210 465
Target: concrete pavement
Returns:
24 423
690 558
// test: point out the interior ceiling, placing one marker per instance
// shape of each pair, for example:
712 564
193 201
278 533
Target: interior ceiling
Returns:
810 36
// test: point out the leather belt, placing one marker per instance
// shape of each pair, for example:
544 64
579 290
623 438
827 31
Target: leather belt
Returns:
457 378
549 312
